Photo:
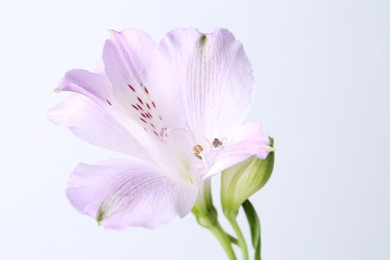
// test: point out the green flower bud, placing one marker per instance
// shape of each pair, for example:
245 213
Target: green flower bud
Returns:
242 180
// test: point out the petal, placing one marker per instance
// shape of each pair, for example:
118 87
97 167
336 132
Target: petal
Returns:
127 56
95 86
92 123
206 78
98 89
248 140
127 193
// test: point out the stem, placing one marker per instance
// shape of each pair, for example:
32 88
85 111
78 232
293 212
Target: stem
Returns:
207 217
223 239
240 237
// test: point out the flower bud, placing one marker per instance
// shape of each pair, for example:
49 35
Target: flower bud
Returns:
242 180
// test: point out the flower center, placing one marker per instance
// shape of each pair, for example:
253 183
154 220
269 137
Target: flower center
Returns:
198 149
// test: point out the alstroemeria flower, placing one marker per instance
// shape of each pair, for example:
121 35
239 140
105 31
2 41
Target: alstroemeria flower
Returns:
176 107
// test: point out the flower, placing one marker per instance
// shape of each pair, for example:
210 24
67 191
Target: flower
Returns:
176 107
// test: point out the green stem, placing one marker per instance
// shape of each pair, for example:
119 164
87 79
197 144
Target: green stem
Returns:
207 217
223 239
240 237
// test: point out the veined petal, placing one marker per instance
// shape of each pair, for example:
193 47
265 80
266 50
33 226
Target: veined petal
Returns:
119 91
92 123
93 85
98 89
248 140
127 56
127 193
210 76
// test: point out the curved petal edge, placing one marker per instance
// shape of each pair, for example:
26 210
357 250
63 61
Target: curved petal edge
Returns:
120 193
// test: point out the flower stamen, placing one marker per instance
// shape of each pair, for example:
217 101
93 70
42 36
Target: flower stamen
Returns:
217 143
197 150
198 156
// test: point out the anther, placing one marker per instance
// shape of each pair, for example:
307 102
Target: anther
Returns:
217 143
197 149
198 156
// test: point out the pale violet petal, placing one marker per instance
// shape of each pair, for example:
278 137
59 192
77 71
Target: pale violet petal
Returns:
120 86
122 193
248 140
92 123
95 86
98 89
127 57
206 79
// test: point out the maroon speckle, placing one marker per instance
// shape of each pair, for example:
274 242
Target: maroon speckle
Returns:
153 104
146 90
139 107
155 133
160 117
149 115
142 119
145 129
140 100
152 125
131 87
108 101
135 107
142 114
147 105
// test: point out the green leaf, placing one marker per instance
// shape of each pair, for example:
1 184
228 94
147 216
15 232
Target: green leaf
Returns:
254 225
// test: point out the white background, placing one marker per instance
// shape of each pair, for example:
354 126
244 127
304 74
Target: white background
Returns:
322 73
